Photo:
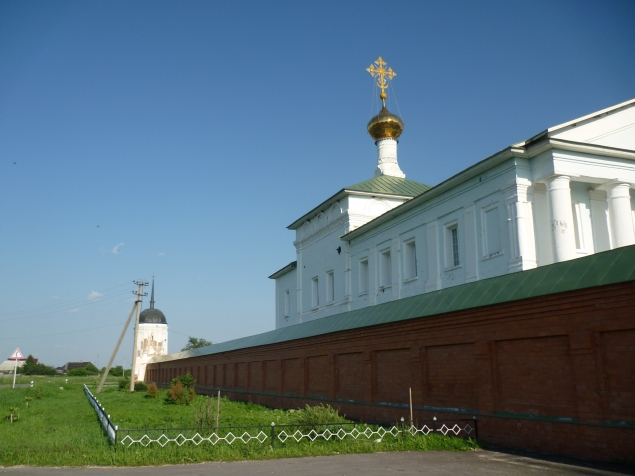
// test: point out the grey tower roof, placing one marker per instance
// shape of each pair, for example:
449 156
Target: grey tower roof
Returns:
152 315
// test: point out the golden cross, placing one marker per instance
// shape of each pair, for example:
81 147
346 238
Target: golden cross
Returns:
381 74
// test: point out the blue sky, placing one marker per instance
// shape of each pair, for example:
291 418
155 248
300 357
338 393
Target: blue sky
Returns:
181 138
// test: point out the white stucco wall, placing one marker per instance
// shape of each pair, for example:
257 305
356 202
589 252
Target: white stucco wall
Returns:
152 340
509 216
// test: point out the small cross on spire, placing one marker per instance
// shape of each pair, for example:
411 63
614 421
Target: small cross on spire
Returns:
381 73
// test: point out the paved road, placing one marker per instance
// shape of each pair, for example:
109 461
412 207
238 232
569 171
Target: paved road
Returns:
437 463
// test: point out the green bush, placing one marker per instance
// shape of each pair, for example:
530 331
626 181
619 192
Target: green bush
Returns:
187 381
140 387
124 384
78 372
180 395
311 416
152 391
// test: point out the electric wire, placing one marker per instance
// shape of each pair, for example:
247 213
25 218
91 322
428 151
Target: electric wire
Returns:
71 308
57 304
59 333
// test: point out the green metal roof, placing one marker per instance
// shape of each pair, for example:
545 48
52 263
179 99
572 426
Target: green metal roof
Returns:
609 267
390 185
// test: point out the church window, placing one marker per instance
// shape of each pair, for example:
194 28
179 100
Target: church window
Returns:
491 238
363 276
452 246
410 259
287 302
330 286
385 268
315 295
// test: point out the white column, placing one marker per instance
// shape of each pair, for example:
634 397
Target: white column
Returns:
299 305
471 248
432 234
599 221
346 248
521 227
620 213
387 158
561 217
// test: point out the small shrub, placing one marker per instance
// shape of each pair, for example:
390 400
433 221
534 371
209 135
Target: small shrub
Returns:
38 393
204 411
78 372
319 414
152 391
140 387
186 380
27 400
124 383
180 395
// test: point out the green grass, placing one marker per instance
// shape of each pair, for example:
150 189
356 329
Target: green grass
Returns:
61 429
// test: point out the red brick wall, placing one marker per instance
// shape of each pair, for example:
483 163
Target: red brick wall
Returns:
553 374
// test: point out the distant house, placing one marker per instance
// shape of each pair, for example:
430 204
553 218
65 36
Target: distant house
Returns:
7 366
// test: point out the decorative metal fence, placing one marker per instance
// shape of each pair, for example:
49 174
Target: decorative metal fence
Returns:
104 419
462 428
286 433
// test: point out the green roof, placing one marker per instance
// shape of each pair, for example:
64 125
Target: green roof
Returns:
390 185
599 269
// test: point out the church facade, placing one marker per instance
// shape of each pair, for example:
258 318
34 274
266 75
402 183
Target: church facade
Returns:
564 193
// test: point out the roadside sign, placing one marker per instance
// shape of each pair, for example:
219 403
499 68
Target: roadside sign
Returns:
17 355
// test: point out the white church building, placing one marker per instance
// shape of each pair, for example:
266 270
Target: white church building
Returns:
564 193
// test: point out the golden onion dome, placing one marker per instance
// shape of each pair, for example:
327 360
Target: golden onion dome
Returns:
385 124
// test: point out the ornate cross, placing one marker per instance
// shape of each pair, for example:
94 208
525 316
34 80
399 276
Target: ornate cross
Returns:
381 74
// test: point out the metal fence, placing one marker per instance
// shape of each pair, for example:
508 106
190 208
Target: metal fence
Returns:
104 419
291 432
273 434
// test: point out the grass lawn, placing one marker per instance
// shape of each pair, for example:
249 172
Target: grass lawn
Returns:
61 429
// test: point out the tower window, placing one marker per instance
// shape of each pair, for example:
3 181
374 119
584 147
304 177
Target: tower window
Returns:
315 296
492 240
330 286
385 268
287 303
452 259
410 259
363 276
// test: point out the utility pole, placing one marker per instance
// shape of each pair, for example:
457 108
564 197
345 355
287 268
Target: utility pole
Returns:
139 295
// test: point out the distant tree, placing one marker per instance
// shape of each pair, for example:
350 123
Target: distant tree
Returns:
195 343
78 372
31 368
91 369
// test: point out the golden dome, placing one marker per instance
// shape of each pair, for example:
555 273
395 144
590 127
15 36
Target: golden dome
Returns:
385 124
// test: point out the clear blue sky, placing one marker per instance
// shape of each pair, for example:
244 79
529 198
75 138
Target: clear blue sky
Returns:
181 138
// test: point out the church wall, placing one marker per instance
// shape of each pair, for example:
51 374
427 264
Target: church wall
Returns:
554 373
472 199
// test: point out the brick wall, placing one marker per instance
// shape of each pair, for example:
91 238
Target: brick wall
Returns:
553 374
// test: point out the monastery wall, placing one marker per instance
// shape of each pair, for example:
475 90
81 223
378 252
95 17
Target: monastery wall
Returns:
554 373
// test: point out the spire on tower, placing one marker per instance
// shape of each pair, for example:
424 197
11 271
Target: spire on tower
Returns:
152 295
385 127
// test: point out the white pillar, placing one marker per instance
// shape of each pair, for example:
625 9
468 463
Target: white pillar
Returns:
471 248
599 221
521 226
432 234
387 158
620 213
561 218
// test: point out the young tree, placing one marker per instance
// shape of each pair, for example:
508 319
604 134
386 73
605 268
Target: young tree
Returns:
195 343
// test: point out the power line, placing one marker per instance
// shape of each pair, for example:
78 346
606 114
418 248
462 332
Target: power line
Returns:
59 333
68 302
89 304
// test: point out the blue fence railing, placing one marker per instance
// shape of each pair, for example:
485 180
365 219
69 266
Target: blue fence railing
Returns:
104 419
